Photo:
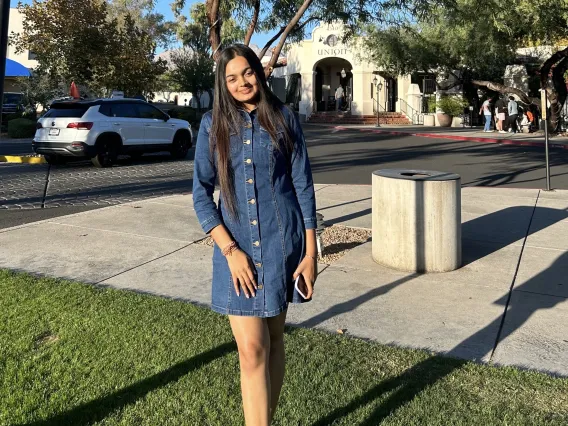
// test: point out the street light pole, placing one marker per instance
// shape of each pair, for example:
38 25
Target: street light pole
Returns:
4 22
376 83
544 104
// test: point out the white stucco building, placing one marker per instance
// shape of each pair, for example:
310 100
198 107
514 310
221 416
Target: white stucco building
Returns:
322 62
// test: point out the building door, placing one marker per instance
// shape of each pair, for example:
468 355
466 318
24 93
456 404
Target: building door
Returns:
392 93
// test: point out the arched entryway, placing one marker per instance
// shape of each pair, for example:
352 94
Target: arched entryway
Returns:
330 74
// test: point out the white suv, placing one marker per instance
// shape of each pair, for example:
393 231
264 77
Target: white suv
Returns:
104 128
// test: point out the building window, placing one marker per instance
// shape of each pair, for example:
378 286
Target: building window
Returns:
31 56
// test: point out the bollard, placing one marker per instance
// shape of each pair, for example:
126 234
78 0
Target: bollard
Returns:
417 220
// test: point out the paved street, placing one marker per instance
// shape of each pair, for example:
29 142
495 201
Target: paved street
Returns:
350 157
338 157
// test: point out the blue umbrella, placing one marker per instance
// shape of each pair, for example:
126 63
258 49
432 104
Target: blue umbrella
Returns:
15 69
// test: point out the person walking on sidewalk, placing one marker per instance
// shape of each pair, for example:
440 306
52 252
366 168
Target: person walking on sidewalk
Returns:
264 224
486 109
513 109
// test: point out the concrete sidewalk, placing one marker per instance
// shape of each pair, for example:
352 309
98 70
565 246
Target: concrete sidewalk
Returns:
535 139
515 246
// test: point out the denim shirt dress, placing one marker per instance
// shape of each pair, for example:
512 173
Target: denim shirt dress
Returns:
275 201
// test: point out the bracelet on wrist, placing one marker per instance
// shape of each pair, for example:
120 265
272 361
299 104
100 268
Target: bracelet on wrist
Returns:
311 257
229 248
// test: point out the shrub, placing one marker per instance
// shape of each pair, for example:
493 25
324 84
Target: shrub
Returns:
451 105
13 116
187 114
21 128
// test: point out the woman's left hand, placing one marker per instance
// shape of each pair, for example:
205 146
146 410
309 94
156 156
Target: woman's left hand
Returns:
308 269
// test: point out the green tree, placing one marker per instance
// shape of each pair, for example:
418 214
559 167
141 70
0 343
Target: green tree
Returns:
40 89
74 40
134 68
69 37
232 20
192 71
145 17
473 42
166 86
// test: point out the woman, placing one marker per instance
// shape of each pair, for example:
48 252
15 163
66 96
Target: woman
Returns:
486 109
264 225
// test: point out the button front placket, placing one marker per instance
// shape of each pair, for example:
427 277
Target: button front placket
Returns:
250 189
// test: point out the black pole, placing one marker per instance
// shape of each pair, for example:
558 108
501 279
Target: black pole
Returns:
4 23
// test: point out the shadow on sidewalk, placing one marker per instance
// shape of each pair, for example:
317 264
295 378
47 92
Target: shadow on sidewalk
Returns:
492 232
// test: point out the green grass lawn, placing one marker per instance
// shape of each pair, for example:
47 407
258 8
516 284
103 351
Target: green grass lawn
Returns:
74 354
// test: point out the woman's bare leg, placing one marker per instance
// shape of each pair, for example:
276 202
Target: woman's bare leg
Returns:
253 342
276 360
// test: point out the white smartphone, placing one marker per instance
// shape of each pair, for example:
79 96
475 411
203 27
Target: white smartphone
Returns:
298 288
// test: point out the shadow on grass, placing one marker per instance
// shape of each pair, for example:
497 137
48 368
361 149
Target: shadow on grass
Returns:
99 409
403 389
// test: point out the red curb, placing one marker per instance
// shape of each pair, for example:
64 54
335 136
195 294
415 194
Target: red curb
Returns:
461 138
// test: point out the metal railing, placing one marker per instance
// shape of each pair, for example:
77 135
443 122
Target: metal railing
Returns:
376 104
414 116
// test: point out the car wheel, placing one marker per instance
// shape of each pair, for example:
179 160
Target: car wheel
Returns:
180 146
107 153
55 160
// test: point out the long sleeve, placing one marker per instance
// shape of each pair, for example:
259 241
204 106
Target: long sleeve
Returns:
204 175
302 174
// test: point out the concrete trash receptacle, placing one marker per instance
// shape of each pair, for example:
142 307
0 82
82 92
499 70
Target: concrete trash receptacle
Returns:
417 220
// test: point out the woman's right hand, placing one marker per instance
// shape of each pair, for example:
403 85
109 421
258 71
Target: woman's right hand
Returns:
242 272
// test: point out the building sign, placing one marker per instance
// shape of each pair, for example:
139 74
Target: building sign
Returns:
334 52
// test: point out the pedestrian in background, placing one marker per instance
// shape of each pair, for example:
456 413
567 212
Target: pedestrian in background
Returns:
338 98
513 109
501 112
264 224
486 109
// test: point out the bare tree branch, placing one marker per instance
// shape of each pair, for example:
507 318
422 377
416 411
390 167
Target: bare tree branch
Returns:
269 42
251 28
293 22
278 34
214 20
501 88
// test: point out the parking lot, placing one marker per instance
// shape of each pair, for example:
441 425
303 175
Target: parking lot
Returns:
81 184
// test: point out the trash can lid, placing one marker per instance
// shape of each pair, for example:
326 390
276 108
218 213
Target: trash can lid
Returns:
412 174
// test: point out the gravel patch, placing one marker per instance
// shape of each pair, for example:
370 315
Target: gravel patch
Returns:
206 242
337 240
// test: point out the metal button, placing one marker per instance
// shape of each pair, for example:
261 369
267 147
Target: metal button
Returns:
257 243
254 222
247 142
248 161
248 125
250 181
260 286
258 265
253 201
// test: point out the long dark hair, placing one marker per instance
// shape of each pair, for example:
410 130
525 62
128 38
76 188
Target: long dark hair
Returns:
227 119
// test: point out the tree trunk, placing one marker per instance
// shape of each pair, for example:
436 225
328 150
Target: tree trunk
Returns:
276 51
252 25
214 20
556 101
